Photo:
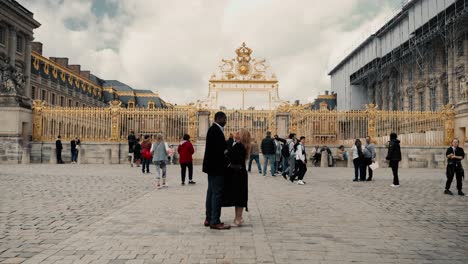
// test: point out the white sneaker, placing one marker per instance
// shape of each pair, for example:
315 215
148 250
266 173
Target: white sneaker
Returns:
300 182
395 186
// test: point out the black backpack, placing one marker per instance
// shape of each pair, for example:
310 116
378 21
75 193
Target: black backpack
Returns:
285 151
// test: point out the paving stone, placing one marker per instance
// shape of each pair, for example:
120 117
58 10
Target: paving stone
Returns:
111 214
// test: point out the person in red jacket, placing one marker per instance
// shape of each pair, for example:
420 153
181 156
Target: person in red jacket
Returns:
186 151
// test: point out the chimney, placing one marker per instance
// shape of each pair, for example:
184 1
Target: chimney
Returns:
37 47
60 61
75 68
85 74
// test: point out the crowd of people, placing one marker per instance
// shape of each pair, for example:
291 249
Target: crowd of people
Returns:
228 163
161 154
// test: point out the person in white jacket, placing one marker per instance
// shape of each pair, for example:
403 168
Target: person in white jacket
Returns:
301 160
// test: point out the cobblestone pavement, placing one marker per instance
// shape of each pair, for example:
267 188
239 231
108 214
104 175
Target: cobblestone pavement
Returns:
112 214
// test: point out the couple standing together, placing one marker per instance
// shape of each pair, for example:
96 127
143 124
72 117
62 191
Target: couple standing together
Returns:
227 175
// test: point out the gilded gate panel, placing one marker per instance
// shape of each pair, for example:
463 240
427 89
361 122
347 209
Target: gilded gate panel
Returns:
318 126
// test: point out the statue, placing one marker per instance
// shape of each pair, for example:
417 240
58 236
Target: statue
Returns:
464 89
12 80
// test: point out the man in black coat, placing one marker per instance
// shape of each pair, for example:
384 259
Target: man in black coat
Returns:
215 165
268 150
58 149
454 154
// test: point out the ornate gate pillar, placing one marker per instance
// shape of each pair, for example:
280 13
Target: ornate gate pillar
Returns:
115 120
282 121
449 127
38 107
203 124
371 111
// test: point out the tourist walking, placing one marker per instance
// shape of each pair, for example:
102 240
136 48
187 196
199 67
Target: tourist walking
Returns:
137 152
131 147
268 151
278 155
236 182
455 155
394 157
369 157
289 154
146 154
215 165
358 161
186 151
170 153
74 150
254 156
58 149
301 160
159 151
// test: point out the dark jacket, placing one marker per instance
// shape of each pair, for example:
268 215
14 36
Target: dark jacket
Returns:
137 151
58 144
458 152
73 145
268 146
229 143
214 160
131 139
235 192
394 151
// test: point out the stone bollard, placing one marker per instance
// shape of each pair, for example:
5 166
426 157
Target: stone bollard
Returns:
404 159
324 160
430 160
53 156
350 161
81 156
107 156
26 157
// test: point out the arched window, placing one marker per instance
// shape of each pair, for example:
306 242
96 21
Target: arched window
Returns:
422 105
432 91
446 94
131 104
151 105
411 102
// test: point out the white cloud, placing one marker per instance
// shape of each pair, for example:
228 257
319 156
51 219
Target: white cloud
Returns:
173 46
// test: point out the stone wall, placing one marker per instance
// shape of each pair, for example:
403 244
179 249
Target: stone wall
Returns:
115 153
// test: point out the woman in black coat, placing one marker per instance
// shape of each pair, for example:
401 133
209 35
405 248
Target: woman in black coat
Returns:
394 157
236 181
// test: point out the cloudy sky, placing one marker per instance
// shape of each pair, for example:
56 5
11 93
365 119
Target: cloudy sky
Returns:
172 47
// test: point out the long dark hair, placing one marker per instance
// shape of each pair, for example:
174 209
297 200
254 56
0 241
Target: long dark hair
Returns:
358 144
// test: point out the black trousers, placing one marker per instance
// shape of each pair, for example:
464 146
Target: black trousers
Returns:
183 168
301 171
214 198
359 169
368 161
451 171
146 163
59 155
394 166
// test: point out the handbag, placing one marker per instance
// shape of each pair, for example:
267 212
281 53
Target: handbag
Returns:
374 166
146 154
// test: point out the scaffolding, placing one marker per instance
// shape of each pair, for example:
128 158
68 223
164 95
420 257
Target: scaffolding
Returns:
447 27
